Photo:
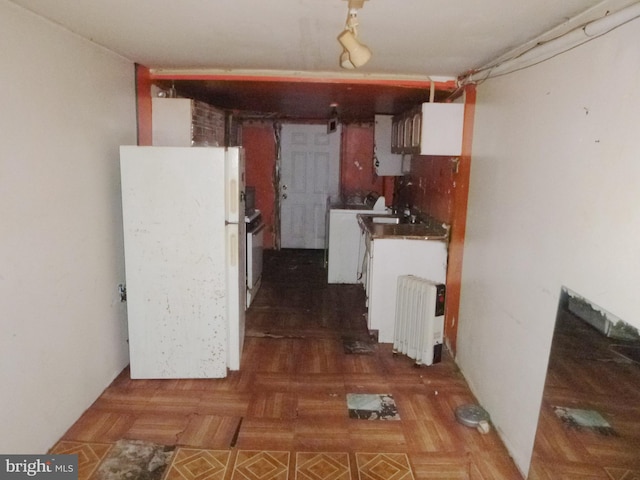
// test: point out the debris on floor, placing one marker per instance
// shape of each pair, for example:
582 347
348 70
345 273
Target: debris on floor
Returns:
368 406
135 459
358 345
589 419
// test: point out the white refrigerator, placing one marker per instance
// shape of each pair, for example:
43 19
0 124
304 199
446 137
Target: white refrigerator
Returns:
184 243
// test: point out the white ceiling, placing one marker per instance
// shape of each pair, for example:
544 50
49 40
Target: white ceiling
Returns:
407 37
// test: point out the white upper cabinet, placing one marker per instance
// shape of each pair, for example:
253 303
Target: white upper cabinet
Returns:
183 122
430 129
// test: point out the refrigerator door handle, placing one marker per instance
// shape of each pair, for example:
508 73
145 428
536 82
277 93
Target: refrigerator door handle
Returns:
233 250
233 194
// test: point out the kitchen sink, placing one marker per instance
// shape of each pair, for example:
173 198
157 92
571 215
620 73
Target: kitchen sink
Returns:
388 226
394 220
386 219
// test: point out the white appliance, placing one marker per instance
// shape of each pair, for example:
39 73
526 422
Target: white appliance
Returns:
344 242
255 246
387 258
419 321
184 241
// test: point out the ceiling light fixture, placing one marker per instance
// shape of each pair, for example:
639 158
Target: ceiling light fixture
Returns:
354 54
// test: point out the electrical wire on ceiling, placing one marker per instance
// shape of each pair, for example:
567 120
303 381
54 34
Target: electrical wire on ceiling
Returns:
545 50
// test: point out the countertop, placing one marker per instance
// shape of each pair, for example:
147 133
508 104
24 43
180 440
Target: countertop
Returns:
351 206
426 229
376 205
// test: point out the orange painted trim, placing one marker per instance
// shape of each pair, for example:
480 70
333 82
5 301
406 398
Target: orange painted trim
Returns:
143 104
459 224
449 85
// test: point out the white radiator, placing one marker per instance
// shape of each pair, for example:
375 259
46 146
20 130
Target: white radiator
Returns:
419 321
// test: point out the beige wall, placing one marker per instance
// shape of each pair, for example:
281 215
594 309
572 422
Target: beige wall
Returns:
65 107
554 201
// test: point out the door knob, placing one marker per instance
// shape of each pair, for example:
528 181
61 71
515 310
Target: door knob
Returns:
284 195
284 187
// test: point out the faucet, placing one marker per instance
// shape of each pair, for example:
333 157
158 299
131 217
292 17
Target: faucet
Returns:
401 202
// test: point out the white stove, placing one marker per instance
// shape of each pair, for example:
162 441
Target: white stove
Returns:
255 245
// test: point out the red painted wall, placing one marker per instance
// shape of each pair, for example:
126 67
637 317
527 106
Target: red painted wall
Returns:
433 183
260 157
143 104
459 222
357 174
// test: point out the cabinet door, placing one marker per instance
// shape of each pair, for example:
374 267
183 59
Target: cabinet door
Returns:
391 258
394 136
171 121
441 130
368 268
399 137
416 122
362 260
406 143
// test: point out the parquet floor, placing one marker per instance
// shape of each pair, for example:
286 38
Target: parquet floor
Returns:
584 373
288 401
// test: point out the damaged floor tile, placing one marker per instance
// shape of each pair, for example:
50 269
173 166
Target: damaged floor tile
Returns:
590 419
368 406
135 459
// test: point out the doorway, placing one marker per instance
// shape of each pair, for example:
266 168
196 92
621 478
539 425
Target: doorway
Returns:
309 176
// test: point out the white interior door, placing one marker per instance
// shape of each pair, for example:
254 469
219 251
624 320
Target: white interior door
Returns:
309 174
